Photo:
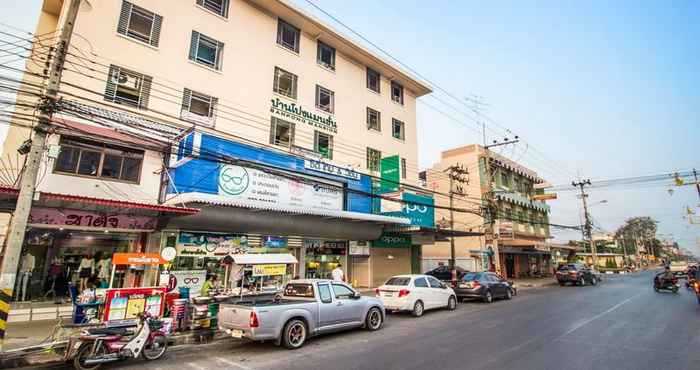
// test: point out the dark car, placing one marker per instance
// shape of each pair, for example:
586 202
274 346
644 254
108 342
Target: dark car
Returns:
444 273
483 285
576 274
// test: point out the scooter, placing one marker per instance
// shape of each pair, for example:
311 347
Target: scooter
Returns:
664 284
102 345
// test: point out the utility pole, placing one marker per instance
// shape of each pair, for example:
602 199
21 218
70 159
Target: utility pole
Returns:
587 225
459 174
697 184
18 226
491 210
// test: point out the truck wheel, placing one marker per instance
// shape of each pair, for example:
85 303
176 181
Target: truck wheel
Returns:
374 319
452 303
418 309
294 334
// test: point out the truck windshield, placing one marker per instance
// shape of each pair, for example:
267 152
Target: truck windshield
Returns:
299 290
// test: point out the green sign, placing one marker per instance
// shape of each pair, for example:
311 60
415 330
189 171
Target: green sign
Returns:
391 176
392 240
297 113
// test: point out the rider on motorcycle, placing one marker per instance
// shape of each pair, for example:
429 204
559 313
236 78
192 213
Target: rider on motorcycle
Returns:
666 276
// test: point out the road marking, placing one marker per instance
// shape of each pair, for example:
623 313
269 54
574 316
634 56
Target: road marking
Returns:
195 366
596 317
234 364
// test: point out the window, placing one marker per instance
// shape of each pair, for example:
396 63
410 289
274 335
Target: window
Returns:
282 133
398 129
342 292
398 281
85 158
299 290
218 7
397 93
206 51
374 120
324 99
403 168
374 158
420 283
288 36
505 179
373 79
139 24
324 292
285 83
323 144
127 87
198 107
325 56
434 283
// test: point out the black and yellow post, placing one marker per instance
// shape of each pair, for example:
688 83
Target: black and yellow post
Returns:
5 299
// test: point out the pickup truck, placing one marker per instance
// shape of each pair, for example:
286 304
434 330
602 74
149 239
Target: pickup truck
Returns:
678 268
306 308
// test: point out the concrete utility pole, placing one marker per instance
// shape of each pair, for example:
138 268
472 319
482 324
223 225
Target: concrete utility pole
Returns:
13 249
589 231
697 184
457 174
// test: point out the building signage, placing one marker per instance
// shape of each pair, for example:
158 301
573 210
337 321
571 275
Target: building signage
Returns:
330 169
192 279
266 190
137 259
392 240
274 242
67 217
210 245
419 209
269 270
359 248
297 113
390 174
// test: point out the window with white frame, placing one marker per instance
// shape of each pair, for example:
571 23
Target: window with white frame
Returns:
92 159
127 87
397 92
285 83
218 7
398 129
373 79
281 133
324 99
206 50
325 55
198 108
323 144
374 119
139 23
288 36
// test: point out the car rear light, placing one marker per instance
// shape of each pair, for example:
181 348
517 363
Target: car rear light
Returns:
254 323
404 293
376 292
476 284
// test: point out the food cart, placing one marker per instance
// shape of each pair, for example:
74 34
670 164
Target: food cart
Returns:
264 273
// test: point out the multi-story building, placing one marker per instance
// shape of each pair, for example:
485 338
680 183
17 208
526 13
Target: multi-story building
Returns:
521 229
170 103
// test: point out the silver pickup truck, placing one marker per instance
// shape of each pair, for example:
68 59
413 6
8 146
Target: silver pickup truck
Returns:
305 308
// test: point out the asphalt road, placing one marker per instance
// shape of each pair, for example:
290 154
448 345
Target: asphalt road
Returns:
619 324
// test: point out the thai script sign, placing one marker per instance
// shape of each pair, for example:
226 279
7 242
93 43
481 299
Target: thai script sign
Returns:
68 217
297 113
269 270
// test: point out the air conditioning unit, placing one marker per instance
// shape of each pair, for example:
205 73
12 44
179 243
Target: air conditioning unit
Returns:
123 79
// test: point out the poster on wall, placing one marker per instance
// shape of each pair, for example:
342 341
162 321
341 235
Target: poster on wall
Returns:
264 189
193 279
210 244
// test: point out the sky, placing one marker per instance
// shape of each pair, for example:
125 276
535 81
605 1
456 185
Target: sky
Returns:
595 89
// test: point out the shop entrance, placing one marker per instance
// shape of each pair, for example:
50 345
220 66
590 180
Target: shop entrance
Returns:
322 256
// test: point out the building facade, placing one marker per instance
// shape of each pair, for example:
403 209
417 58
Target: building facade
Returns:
517 246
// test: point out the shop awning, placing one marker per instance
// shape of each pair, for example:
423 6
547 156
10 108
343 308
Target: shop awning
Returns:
264 259
110 135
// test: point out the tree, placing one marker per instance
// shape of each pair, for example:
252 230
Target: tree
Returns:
638 228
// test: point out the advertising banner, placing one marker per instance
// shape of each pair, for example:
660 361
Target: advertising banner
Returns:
193 279
390 174
68 217
210 244
268 190
418 208
392 240
269 270
126 303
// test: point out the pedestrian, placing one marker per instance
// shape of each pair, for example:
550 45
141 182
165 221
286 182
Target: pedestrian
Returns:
208 285
337 273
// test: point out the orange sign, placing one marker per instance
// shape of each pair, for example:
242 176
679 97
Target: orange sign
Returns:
138 259
544 197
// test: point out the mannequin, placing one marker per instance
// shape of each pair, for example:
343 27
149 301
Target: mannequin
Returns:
25 272
86 270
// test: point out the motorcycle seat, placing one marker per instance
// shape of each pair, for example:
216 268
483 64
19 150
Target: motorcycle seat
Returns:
108 331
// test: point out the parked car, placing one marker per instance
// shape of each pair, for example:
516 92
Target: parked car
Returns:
416 293
306 308
483 285
444 273
577 274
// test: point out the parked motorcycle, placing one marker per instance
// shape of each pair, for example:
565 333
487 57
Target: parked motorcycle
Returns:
102 345
666 284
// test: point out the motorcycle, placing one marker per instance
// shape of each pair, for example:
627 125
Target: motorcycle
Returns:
98 346
665 284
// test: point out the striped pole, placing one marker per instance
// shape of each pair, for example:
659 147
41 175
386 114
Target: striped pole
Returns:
5 299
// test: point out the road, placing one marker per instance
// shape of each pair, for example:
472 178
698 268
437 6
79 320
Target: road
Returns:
620 324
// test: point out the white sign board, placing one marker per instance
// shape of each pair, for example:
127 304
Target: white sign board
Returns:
266 190
320 166
193 279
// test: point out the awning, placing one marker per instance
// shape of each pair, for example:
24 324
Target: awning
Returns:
263 259
109 135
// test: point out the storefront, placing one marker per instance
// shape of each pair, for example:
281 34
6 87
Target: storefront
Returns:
323 256
525 262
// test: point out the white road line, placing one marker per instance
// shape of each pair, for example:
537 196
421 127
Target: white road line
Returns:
195 366
596 317
234 364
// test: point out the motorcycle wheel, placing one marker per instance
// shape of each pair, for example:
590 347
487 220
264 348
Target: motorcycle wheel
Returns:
674 289
84 353
156 348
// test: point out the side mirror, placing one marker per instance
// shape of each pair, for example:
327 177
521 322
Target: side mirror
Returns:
443 286
357 295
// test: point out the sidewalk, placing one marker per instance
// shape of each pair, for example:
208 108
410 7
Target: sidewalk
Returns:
531 283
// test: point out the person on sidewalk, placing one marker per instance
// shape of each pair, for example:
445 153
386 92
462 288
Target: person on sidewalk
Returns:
338 274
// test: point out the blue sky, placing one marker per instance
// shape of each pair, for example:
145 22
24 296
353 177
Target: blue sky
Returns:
598 88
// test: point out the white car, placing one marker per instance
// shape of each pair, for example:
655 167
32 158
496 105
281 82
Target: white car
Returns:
416 293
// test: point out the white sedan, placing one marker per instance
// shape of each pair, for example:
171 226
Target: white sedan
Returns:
416 293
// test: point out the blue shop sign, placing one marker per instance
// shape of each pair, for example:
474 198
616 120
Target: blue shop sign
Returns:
420 209
270 241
